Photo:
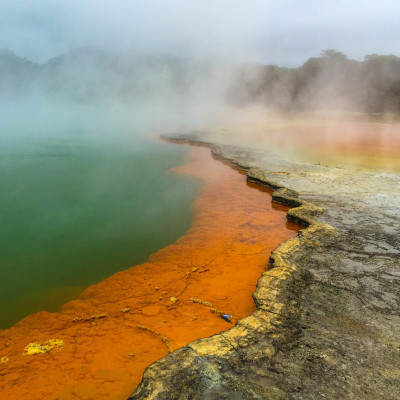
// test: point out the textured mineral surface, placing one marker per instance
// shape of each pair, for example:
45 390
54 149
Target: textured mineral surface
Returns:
327 321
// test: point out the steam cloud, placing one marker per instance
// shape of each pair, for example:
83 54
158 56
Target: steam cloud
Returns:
196 58
285 33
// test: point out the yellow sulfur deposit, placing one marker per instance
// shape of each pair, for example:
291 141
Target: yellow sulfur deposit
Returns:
3 360
205 303
45 347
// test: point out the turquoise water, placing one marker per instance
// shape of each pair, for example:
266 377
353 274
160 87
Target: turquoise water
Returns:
79 201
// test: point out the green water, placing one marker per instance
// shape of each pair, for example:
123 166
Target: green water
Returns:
81 203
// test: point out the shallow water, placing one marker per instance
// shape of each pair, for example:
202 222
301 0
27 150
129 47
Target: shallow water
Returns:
349 144
83 195
149 310
361 145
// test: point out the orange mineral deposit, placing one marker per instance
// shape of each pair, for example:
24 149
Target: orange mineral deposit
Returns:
98 346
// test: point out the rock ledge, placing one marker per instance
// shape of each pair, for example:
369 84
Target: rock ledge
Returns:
327 322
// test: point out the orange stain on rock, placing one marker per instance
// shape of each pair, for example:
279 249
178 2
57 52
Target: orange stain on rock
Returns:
128 321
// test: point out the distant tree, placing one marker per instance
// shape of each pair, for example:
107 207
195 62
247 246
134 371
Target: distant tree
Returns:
331 54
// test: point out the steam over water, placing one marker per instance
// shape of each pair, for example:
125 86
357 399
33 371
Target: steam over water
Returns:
83 194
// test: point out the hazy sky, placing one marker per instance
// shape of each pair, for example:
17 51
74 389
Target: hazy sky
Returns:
284 32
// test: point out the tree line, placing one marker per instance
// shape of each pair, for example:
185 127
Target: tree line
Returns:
331 81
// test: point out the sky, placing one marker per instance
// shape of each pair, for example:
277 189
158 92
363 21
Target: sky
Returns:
282 32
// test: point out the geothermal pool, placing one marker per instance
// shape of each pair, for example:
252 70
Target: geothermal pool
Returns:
99 345
80 202
365 142
365 145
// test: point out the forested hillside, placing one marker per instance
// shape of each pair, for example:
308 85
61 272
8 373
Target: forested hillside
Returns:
331 81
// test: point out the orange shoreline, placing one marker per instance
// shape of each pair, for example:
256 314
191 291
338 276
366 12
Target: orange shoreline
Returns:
126 322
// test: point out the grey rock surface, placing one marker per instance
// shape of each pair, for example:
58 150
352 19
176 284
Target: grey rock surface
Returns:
327 324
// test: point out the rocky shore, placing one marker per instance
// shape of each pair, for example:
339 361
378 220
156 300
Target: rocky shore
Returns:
327 323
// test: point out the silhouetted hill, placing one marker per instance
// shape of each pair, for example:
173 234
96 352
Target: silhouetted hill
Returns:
331 81
16 74
90 74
